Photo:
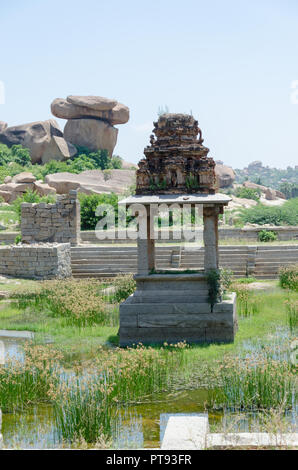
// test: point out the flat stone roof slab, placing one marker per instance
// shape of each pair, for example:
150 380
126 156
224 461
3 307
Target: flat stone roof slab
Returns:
217 198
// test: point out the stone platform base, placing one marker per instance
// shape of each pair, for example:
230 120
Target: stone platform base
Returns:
174 307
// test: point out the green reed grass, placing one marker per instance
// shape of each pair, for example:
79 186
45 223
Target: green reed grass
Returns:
248 304
87 408
23 383
254 384
81 303
292 313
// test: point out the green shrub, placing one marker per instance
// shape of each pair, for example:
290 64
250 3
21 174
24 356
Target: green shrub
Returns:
124 287
89 204
16 159
116 162
248 193
288 277
287 214
18 239
267 236
226 279
16 154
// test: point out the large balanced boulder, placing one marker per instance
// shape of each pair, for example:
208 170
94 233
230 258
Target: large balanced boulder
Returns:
70 108
225 175
41 139
92 133
97 103
91 120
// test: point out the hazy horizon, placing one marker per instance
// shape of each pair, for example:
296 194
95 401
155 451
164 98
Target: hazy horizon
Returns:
231 64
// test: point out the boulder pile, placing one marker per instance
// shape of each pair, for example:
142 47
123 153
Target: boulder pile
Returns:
91 120
90 124
19 184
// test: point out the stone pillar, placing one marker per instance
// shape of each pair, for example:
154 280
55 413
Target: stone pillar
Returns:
146 245
75 219
210 215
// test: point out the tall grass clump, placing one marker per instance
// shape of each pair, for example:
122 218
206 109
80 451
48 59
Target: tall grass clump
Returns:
254 384
87 408
80 303
28 382
292 313
248 303
288 277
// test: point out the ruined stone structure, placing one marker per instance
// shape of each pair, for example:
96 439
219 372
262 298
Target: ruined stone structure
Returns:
38 261
175 306
176 161
58 222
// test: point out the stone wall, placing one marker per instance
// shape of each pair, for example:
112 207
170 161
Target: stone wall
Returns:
36 261
58 222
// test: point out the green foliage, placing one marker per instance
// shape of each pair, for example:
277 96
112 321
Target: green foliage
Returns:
254 383
288 277
290 190
214 291
23 383
226 278
292 312
248 193
16 154
18 239
89 204
287 214
248 304
16 159
191 182
116 162
124 286
267 236
32 197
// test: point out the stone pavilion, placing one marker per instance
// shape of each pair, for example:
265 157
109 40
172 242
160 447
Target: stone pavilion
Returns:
175 306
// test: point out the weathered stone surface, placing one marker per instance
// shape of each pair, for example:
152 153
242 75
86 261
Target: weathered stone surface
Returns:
5 195
91 133
270 194
119 114
249 184
39 137
98 103
42 261
92 181
225 175
63 109
7 179
24 177
59 222
58 149
3 126
176 161
43 189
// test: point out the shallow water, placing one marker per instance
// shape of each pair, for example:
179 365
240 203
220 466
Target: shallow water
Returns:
138 426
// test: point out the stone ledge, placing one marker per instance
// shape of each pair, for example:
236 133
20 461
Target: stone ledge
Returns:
186 432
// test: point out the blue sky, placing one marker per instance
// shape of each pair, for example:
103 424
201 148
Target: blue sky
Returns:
231 63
